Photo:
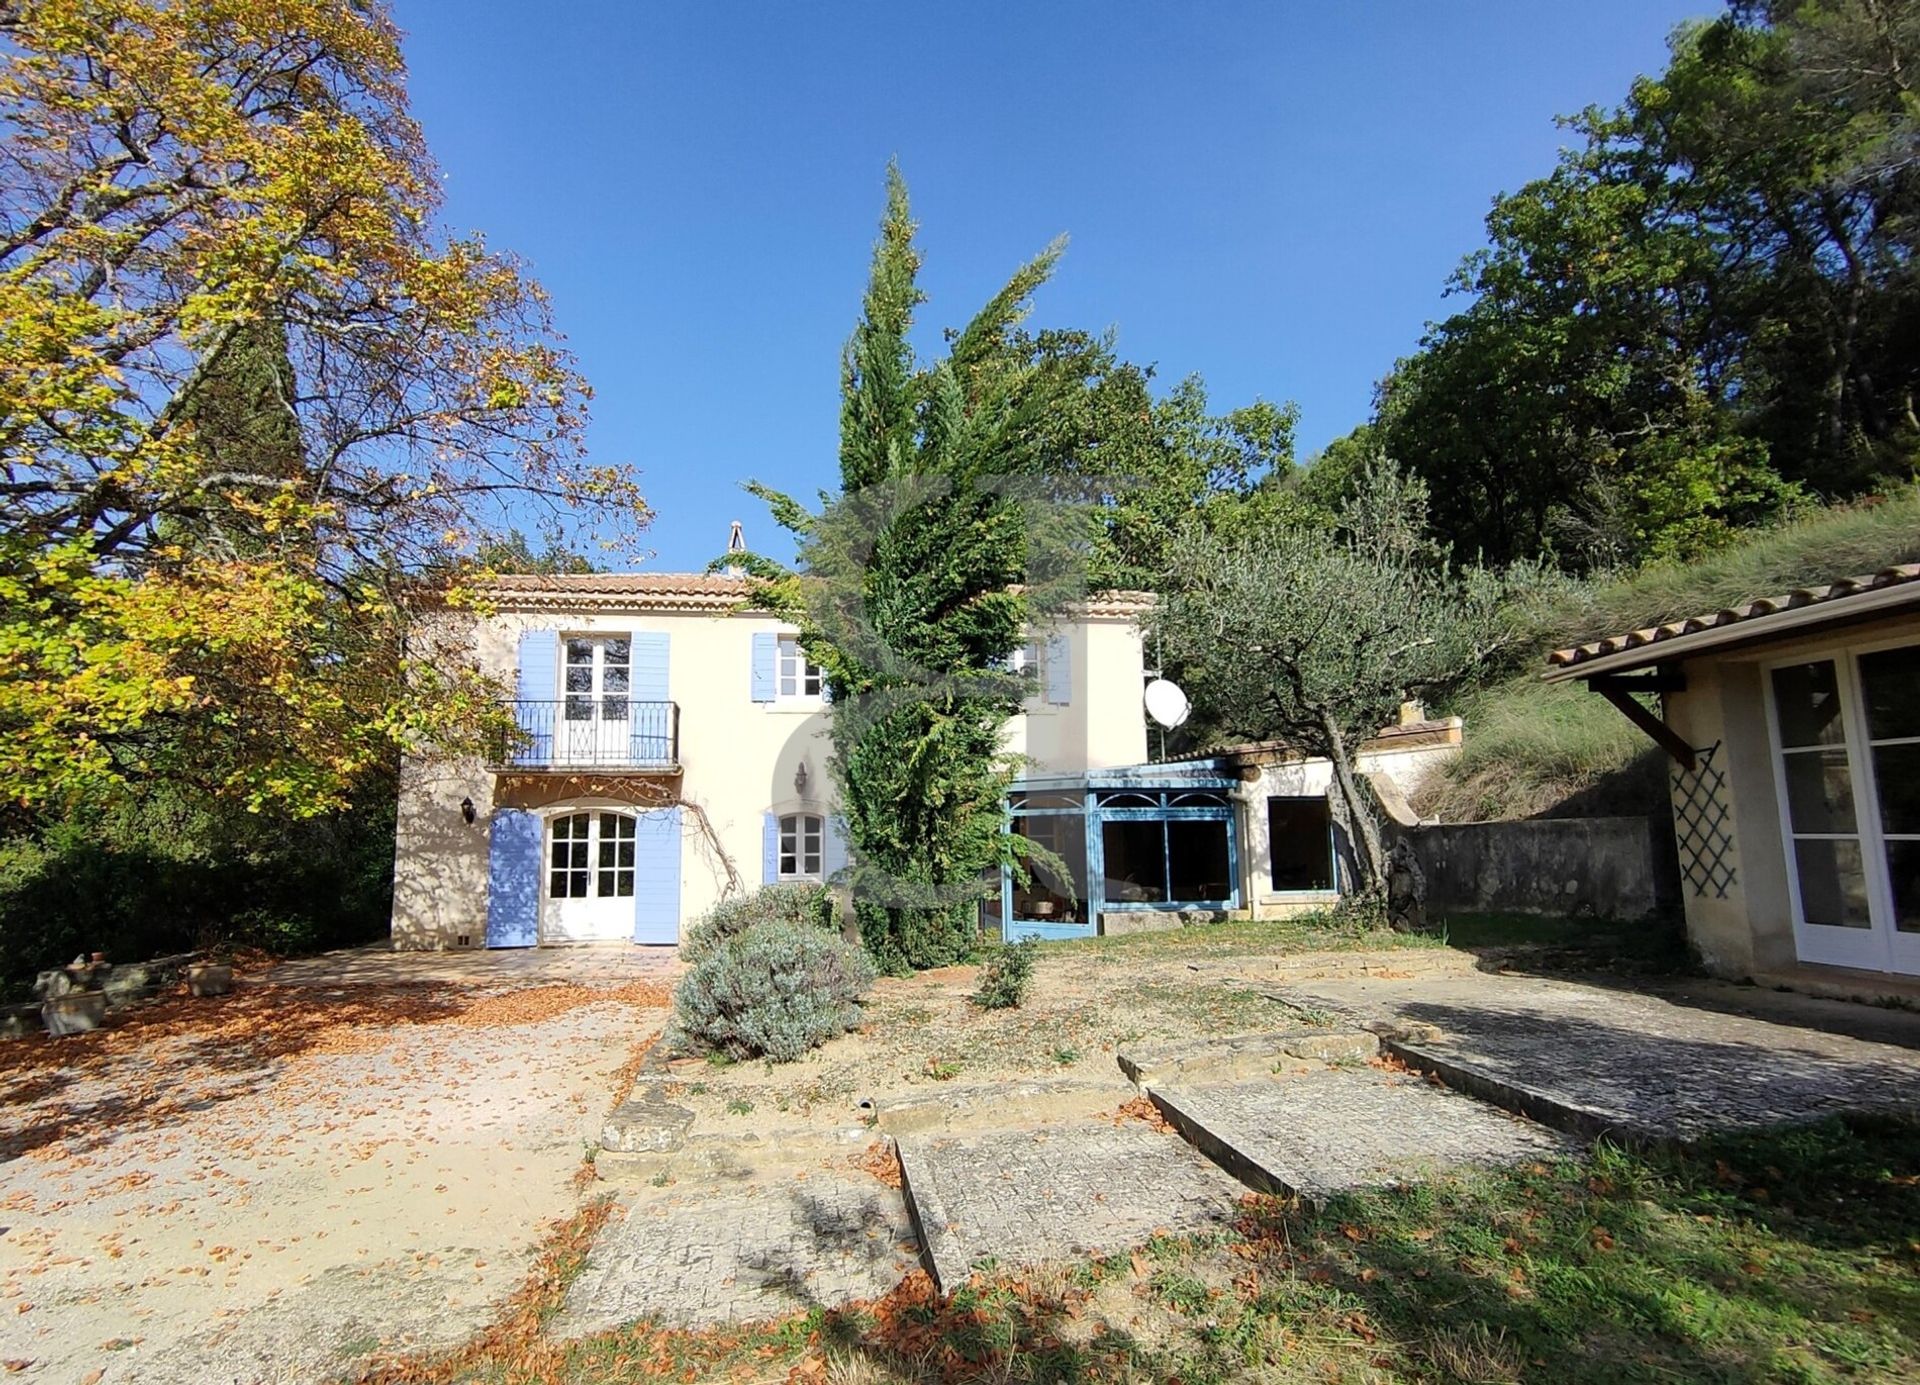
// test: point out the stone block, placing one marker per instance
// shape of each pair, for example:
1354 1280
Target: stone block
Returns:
74 1013
1119 922
209 979
646 1125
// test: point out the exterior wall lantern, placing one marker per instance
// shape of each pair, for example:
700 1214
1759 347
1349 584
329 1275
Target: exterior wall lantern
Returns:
466 811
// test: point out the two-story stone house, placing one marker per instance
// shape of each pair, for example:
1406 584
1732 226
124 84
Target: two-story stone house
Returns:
674 744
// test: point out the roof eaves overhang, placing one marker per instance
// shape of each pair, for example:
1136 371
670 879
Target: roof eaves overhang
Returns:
1739 634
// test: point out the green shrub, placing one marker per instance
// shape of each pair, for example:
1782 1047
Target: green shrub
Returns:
773 991
163 873
807 905
1007 976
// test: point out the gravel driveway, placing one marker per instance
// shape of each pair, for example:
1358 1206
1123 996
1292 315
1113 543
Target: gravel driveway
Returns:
273 1185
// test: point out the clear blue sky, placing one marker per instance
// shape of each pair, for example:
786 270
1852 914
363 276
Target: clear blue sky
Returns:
1271 194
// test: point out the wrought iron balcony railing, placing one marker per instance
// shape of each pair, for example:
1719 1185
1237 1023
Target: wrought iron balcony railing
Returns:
582 732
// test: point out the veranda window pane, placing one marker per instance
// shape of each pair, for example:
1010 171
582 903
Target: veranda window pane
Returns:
1896 772
1197 860
1833 883
1903 871
1136 869
1808 699
1819 791
1890 686
1048 896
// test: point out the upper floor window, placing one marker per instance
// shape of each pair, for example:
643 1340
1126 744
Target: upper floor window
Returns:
799 677
801 840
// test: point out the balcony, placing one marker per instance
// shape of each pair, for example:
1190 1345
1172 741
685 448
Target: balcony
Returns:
590 733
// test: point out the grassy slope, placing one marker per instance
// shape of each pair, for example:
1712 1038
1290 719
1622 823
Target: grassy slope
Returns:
1535 749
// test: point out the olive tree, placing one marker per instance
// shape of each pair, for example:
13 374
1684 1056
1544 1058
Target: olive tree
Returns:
1314 636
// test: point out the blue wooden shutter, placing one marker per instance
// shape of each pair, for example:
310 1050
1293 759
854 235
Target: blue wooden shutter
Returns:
538 689
656 876
765 647
769 848
650 724
834 852
1059 670
513 878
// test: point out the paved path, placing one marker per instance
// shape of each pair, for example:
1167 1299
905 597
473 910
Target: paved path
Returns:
743 1255
1600 1060
1327 1131
1062 1191
590 964
272 1185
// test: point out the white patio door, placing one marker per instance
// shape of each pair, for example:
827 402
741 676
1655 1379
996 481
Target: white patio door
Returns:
596 706
589 878
1847 741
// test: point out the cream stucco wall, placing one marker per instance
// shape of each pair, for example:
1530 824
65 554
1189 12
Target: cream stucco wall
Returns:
1744 926
739 758
1406 767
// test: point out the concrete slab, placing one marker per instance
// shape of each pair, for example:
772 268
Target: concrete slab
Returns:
1640 1066
743 1255
1324 1132
1030 1196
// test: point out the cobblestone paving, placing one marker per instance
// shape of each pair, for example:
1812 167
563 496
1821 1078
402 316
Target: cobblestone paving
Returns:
1637 1064
742 1255
1326 1131
1029 1196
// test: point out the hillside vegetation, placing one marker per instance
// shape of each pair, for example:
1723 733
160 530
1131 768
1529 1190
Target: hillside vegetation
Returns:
1536 749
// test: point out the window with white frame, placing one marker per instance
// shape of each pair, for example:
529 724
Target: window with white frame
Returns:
797 676
802 837
1847 738
591 854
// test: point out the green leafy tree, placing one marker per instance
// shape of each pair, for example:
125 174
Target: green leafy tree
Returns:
1705 311
1148 466
1315 636
917 582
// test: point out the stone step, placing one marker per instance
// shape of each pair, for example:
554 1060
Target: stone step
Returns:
1246 1055
999 1105
1328 1131
1090 1187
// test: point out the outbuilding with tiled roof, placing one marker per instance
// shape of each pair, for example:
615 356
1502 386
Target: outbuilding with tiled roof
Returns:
1792 728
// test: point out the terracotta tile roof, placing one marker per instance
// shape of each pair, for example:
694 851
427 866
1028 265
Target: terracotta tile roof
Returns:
1405 735
624 583
1734 615
704 592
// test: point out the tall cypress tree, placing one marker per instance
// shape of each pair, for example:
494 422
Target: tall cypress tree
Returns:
916 584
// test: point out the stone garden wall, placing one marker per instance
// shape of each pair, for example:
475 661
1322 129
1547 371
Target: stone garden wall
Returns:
1613 868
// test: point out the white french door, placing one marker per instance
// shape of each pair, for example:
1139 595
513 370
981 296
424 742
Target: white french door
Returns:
596 708
589 878
1847 765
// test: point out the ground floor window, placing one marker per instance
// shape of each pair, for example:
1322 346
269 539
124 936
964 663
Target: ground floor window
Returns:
1166 848
1300 843
802 841
591 856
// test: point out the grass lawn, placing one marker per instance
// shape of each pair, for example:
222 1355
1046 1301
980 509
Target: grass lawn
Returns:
1785 1256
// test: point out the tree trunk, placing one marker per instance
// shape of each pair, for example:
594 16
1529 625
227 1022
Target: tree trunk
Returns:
1362 829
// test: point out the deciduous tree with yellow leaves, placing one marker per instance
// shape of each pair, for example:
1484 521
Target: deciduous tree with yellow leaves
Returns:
247 386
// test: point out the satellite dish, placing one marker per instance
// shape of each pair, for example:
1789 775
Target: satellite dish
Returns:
1166 704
